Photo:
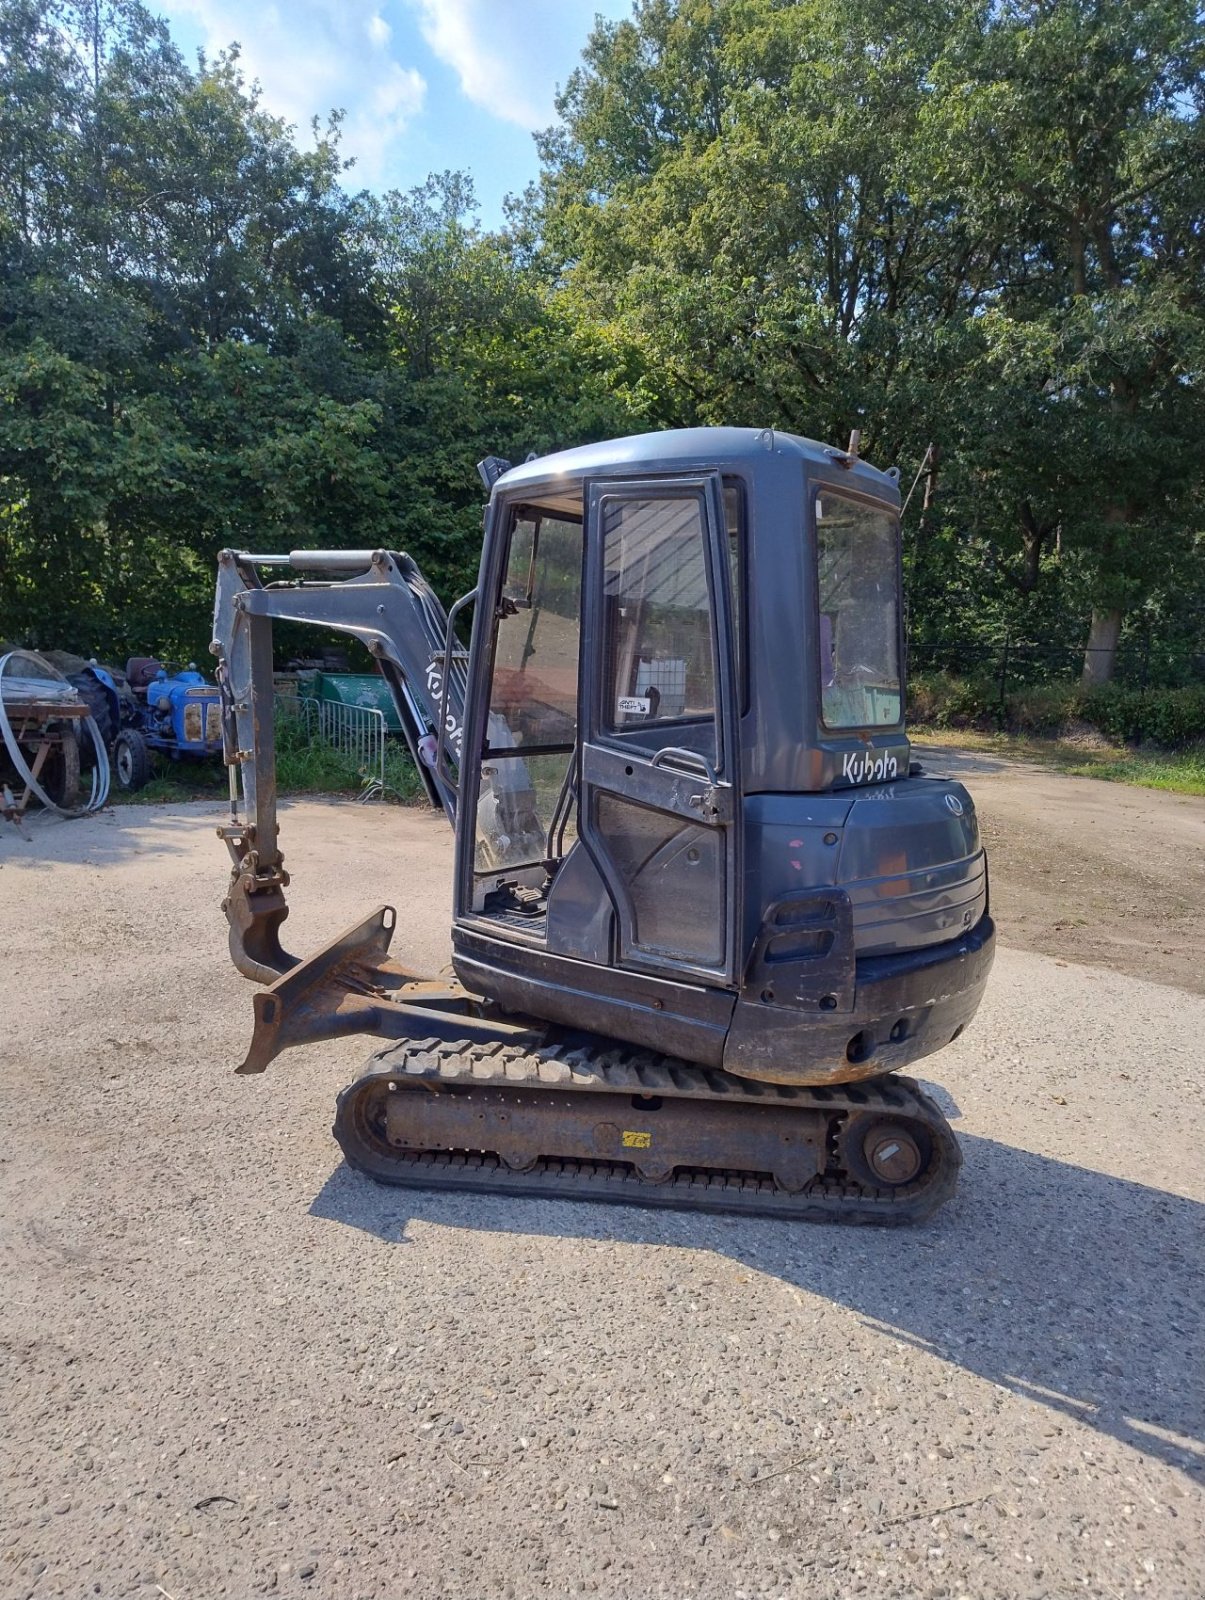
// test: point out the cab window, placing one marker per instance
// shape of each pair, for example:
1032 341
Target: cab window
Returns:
857 553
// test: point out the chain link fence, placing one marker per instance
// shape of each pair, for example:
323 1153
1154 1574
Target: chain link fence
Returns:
1012 662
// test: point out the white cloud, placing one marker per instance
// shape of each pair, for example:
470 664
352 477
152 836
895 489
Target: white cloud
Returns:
510 55
311 56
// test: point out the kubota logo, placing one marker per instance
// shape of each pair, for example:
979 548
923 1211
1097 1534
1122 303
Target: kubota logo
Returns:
863 767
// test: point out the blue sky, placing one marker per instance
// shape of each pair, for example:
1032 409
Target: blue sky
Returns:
426 84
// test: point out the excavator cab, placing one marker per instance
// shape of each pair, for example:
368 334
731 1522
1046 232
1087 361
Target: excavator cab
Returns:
688 830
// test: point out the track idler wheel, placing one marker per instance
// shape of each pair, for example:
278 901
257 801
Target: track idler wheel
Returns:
361 1126
885 1152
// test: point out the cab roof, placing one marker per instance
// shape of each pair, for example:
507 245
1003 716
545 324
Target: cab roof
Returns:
559 476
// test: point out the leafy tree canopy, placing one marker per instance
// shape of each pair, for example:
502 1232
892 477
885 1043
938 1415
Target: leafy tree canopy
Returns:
969 224
973 230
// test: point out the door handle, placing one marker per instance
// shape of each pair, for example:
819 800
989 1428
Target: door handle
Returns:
686 758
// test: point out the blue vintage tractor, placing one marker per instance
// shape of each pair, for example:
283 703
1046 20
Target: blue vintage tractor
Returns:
178 714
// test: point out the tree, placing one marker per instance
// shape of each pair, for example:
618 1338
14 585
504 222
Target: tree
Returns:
485 362
1086 123
177 268
974 225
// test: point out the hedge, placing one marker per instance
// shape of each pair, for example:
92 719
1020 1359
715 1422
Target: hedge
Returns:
1168 717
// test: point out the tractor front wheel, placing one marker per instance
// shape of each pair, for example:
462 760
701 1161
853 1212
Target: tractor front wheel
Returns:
131 759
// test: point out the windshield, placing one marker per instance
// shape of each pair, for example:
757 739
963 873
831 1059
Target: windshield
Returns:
858 565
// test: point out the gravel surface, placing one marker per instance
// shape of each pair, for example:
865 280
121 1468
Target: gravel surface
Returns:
1091 871
231 1367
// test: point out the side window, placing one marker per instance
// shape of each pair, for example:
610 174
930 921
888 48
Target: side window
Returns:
660 654
533 694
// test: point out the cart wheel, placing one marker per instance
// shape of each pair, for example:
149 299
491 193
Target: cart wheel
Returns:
131 759
60 775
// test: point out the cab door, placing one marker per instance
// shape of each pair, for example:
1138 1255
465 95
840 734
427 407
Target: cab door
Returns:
658 800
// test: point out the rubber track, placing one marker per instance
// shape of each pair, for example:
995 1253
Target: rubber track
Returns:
834 1196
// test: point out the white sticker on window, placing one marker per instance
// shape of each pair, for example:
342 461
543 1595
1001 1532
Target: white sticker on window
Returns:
633 705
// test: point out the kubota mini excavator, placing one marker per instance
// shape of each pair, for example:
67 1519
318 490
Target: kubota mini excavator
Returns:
705 907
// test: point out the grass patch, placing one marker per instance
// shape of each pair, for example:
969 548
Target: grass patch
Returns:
317 769
307 765
173 781
1178 771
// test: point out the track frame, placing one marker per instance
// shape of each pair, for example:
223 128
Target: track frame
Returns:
574 1120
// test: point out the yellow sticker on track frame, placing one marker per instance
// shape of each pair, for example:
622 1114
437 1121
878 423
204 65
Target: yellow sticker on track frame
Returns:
637 1141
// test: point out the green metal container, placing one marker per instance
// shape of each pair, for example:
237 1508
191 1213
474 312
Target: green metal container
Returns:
360 689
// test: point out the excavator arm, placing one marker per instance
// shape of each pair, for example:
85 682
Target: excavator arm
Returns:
381 598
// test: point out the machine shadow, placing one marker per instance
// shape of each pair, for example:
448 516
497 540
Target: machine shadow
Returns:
1080 1291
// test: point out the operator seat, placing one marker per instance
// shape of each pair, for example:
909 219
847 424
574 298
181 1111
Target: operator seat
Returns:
141 671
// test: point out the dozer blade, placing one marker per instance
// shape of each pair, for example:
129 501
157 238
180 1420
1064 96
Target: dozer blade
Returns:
354 986
595 1121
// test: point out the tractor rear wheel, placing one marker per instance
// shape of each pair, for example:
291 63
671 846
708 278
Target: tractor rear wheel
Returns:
94 695
131 759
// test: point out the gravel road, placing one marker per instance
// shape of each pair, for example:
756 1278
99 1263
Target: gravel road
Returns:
1091 871
231 1367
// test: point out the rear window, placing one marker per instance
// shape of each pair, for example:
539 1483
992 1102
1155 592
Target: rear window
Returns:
857 554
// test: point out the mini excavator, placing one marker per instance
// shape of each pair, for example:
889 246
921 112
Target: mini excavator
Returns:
705 906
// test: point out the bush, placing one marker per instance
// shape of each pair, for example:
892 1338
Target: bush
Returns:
1172 718
306 764
1045 711
941 700
1169 717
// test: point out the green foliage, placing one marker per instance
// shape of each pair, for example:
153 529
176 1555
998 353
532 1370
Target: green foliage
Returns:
204 340
1170 718
306 765
938 700
980 227
1046 709
977 227
1181 773
166 251
303 766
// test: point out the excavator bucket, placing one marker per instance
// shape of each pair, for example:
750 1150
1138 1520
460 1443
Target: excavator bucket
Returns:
327 995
